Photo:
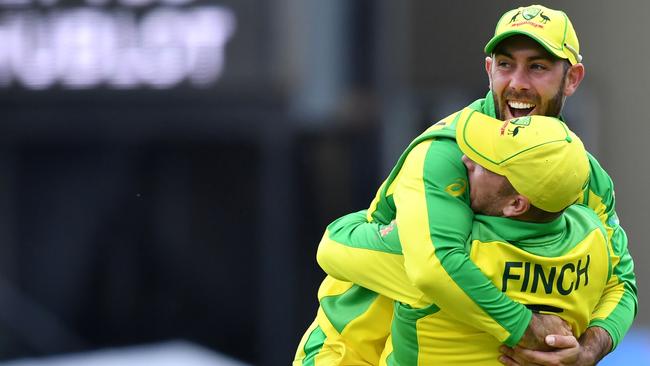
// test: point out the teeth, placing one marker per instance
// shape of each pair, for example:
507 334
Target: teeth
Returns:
520 105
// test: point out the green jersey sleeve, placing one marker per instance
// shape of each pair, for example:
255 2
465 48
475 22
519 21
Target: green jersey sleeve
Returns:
618 305
368 254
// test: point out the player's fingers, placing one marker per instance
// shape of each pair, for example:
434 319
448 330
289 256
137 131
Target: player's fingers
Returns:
508 361
508 352
529 357
507 357
511 357
560 341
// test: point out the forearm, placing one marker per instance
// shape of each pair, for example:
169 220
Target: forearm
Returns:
378 271
595 343
616 312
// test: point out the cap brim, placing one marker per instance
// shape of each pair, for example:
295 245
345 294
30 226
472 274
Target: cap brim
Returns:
560 53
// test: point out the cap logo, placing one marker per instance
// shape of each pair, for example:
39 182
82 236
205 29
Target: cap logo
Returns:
514 131
519 123
544 18
514 17
530 13
503 127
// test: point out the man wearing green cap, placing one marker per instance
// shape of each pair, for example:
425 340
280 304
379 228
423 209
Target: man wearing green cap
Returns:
533 65
524 174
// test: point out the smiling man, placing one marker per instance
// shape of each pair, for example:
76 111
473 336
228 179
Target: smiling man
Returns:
534 62
533 65
539 88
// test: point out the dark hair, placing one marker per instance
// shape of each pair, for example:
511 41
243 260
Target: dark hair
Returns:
539 215
566 65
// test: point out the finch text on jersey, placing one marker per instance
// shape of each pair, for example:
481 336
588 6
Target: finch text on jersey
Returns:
530 275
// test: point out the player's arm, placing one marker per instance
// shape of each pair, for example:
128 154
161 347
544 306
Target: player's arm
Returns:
618 306
433 226
368 254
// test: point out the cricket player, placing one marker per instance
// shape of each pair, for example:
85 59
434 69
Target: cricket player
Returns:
540 253
533 65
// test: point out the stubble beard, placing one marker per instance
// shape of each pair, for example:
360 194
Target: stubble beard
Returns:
554 108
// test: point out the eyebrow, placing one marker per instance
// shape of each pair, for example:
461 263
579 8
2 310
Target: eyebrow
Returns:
547 57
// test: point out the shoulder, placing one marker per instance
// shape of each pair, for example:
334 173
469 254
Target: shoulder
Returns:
599 181
436 165
436 155
582 218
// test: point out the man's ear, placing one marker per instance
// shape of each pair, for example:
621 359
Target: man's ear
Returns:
517 205
488 69
574 77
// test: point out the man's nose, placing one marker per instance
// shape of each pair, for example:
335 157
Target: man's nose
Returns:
520 79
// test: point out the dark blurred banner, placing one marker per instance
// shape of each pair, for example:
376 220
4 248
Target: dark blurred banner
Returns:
156 181
131 44
120 70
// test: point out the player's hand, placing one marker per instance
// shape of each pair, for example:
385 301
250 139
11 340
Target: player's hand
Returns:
539 327
568 352
594 344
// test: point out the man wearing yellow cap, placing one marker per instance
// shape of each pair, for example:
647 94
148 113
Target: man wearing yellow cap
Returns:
524 173
533 65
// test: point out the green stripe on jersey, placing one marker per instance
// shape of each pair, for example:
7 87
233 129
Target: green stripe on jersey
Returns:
390 360
344 308
313 345
601 185
405 334
551 239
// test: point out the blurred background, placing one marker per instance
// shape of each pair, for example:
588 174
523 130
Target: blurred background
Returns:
167 167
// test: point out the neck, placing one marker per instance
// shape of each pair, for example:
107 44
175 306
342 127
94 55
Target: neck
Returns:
534 214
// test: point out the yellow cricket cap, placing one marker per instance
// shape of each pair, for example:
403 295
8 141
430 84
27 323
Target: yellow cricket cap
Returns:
543 160
550 28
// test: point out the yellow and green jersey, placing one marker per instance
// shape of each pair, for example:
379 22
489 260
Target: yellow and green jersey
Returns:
426 195
560 267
